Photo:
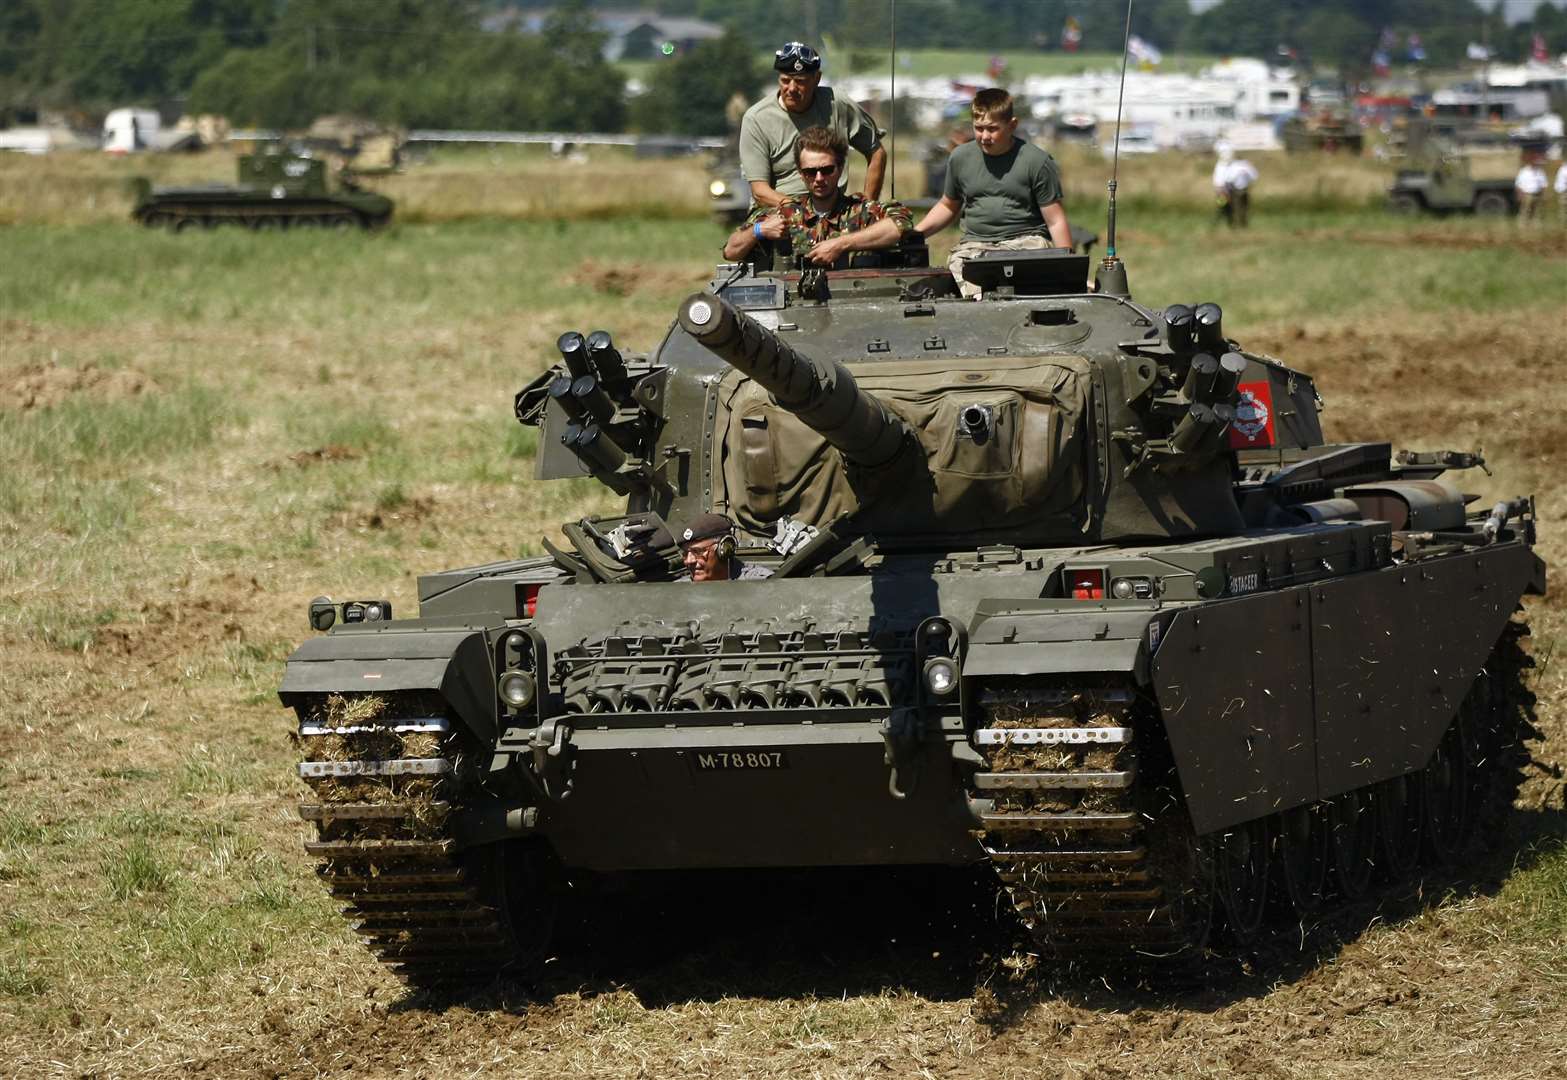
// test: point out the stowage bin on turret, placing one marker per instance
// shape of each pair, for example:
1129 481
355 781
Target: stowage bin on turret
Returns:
1062 584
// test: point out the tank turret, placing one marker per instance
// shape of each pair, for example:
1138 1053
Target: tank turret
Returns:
822 394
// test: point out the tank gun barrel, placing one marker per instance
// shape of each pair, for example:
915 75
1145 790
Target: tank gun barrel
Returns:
821 393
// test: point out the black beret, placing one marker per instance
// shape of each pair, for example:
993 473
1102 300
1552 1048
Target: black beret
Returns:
705 527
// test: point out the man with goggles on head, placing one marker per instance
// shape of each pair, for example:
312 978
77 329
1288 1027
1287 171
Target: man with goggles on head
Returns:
825 224
771 128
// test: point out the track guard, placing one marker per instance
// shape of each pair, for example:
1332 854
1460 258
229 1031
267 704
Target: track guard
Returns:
454 663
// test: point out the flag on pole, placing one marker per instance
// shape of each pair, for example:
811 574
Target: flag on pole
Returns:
1144 53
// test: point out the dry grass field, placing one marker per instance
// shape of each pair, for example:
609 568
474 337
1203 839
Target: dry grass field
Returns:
200 432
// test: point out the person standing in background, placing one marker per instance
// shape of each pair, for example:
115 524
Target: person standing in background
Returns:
1529 186
1232 181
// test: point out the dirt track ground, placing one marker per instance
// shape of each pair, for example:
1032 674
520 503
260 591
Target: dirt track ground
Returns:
157 916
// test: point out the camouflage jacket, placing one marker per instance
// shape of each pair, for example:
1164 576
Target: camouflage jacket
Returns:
805 228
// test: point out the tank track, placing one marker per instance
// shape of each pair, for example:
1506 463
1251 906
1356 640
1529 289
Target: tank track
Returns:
1075 833
383 772
1087 832
178 218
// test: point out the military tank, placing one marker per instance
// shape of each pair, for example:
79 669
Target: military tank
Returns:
277 189
1065 587
1327 129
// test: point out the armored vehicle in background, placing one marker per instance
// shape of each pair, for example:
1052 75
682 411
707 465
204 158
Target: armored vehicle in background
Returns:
1063 585
1328 129
1442 184
276 189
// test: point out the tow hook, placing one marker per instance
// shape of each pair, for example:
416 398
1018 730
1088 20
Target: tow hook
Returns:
551 765
901 734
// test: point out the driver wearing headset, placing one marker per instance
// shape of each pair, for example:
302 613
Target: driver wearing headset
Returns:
707 547
825 224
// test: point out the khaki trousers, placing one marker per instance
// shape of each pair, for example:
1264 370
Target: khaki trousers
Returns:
970 248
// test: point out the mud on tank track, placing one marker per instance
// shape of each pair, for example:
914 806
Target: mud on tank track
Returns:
1083 822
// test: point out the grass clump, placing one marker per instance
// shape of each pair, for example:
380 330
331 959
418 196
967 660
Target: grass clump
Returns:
137 869
204 773
19 978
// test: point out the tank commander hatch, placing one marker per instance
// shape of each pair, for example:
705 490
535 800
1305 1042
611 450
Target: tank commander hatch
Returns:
771 128
826 223
707 546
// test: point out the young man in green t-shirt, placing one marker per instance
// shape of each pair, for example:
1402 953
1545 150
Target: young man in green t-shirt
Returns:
1008 191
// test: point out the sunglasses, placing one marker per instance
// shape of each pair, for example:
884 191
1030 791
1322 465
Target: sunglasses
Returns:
826 170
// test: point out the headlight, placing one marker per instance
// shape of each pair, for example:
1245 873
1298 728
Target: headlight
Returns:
1126 588
717 189
323 613
367 610
516 688
941 676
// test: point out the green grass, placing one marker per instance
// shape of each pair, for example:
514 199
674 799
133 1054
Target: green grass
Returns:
137 869
405 279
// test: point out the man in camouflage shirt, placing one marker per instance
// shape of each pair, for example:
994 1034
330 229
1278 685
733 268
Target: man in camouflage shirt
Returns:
825 224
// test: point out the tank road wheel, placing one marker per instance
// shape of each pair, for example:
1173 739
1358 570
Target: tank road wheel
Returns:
1492 204
1398 825
1240 857
1403 203
388 774
1446 796
1352 823
180 224
1301 858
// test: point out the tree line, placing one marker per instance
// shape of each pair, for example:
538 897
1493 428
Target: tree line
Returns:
432 63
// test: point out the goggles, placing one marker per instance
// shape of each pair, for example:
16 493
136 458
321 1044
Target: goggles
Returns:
797 57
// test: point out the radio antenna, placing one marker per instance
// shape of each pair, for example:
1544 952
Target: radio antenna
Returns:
892 102
1111 278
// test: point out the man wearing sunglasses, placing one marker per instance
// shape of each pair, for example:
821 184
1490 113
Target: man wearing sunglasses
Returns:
826 224
771 128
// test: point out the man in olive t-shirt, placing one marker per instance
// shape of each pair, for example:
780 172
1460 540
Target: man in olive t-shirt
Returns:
1008 191
771 128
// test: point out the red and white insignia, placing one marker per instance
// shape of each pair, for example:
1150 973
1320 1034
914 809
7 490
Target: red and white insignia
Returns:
1253 427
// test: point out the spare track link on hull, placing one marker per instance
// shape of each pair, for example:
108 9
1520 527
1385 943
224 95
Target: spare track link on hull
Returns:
1066 824
380 815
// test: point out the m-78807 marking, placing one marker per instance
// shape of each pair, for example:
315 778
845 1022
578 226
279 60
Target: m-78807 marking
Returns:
738 759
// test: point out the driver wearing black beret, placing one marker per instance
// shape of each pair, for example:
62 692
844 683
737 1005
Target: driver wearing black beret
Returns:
707 547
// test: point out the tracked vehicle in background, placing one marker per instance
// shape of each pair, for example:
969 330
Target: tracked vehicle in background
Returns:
277 189
1063 584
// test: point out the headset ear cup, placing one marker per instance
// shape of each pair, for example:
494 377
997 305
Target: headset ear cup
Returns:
726 548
